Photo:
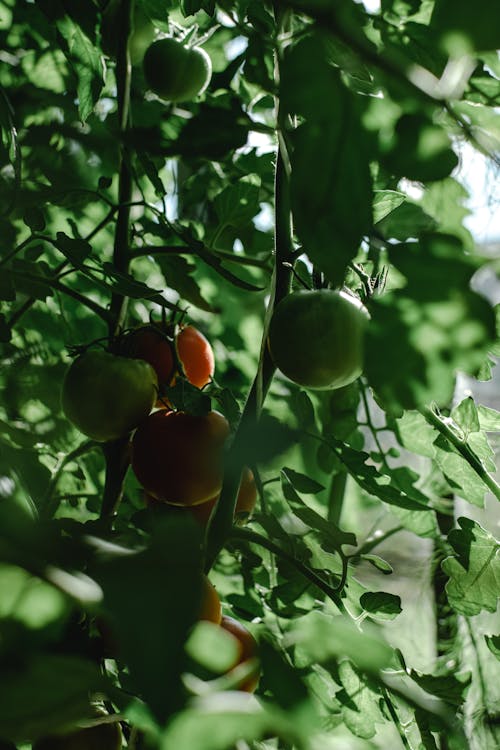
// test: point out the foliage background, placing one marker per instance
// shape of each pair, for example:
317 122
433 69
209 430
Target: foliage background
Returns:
349 122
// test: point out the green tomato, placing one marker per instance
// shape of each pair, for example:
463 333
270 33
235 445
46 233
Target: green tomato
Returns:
106 396
175 72
100 737
316 338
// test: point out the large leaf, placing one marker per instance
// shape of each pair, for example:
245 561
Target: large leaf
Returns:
330 180
421 335
165 585
474 569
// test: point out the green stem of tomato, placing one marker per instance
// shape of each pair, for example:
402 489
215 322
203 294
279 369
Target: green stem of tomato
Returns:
116 455
121 253
220 524
246 535
463 449
116 452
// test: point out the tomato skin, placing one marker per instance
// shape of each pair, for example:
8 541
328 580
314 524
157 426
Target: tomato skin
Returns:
248 649
211 609
175 72
245 502
106 396
152 346
316 338
195 355
99 737
177 457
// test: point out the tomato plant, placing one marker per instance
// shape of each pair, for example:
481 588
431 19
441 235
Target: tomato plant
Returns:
316 338
177 457
106 396
175 72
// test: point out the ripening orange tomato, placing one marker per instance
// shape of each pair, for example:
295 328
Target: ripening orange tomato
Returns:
177 457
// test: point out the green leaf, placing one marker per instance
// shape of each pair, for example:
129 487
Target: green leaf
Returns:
320 637
237 204
332 145
360 702
420 336
213 133
212 647
493 643
489 419
459 473
464 27
474 569
45 694
466 416
178 274
331 536
384 202
449 688
384 606
416 434
302 483
379 563
421 150
75 250
89 69
190 7
161 580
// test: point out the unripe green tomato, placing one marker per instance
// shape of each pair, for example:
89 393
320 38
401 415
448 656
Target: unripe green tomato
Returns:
174 72
316 338
100 737
106 396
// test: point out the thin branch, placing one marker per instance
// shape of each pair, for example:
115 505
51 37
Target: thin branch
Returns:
246 535
220 524
463 449
49 504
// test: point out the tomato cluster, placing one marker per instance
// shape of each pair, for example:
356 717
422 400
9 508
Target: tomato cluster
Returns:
176 456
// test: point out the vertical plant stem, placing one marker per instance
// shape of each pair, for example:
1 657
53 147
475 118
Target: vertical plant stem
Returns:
116 455
336 496
116 452
121 255
221 522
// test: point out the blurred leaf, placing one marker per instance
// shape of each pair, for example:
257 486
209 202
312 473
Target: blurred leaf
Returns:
319 637
332 145
46 694
439 324
474 569
421 150
463 26
165 583
212 647
213 133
